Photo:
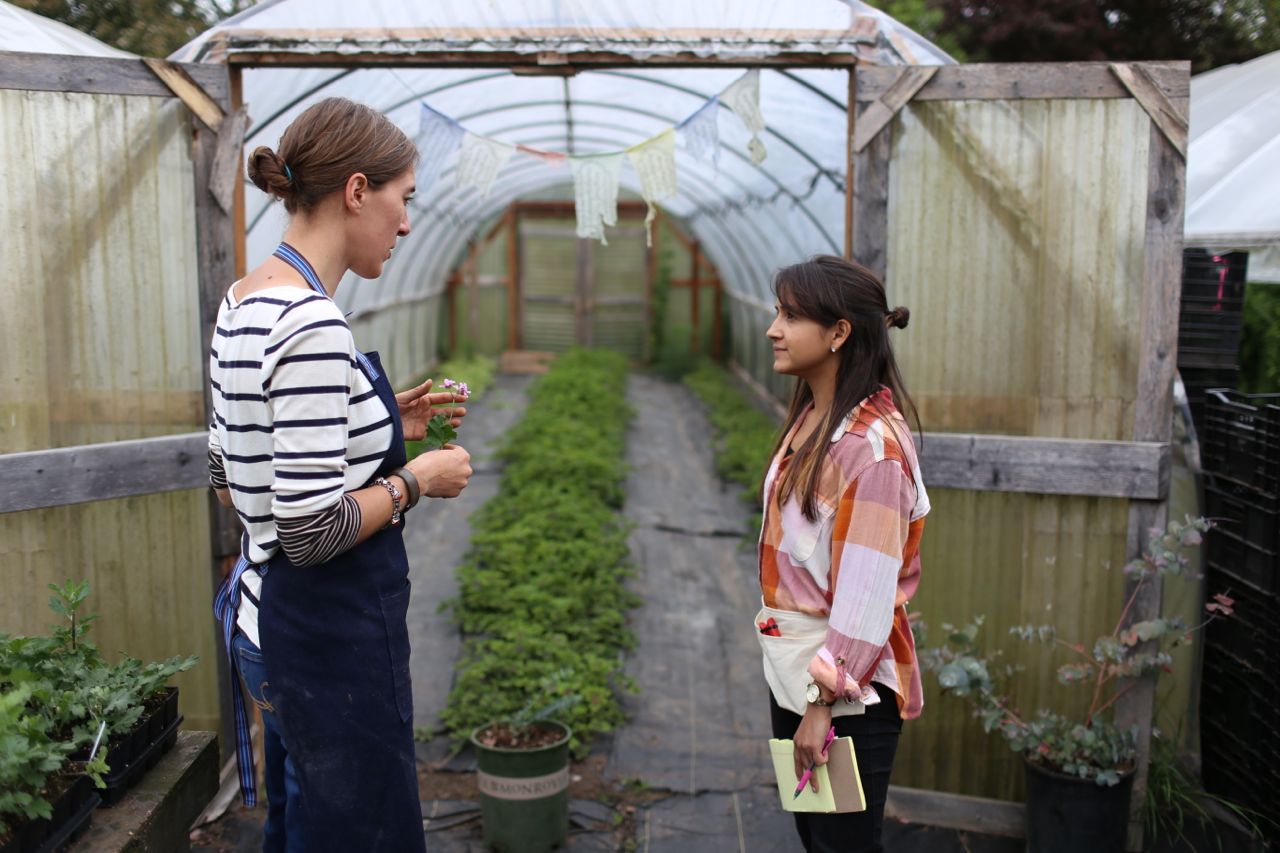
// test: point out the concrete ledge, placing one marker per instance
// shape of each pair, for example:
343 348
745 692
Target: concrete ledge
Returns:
156 814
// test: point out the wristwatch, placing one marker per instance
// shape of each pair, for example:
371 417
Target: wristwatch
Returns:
813 695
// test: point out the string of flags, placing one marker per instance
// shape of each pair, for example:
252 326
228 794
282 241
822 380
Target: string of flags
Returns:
595 176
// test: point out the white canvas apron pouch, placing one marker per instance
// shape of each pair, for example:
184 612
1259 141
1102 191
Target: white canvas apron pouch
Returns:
786 659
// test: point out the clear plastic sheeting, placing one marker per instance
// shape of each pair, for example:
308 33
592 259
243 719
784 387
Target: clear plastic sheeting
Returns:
27 32
1233 163
750 218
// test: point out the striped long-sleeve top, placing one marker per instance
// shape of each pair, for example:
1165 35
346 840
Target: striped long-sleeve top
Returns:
858 563
297 424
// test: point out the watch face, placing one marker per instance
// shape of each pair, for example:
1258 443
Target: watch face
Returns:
812 693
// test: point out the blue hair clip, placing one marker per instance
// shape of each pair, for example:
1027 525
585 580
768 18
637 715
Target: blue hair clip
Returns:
288 175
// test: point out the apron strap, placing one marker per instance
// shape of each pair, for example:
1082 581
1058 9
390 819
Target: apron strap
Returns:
225 608
293 258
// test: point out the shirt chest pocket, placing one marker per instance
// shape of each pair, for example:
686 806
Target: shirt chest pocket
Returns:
807 543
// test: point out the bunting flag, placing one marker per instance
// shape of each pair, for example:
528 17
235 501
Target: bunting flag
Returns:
701 133
555 159
479 161
655 163
743 97
595 193
438 137
595 176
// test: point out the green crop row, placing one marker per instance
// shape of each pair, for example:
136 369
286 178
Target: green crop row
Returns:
542 603
744 435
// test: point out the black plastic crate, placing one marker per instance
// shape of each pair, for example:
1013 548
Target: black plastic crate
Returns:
1235 766
1252 632
1258 566
1241 699
1241 439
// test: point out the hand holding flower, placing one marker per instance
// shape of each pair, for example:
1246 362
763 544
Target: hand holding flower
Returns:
418 407
440 426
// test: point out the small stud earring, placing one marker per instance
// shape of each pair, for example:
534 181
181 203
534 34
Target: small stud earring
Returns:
833 349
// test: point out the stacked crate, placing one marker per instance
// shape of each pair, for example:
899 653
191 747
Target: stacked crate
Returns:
1209 322
1240 730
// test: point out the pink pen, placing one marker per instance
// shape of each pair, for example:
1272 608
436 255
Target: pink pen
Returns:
804 778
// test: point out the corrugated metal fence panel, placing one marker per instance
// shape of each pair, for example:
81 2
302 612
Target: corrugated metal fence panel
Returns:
100 341
1016 237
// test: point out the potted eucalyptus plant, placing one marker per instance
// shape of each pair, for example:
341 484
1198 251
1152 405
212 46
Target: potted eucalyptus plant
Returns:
1079 770
522 768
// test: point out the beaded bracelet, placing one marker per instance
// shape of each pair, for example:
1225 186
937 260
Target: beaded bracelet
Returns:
395 500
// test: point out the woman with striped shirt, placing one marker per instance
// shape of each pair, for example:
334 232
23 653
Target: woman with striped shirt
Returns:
844 507
308 445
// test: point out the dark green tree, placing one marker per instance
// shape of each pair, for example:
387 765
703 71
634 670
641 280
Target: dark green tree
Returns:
145 27
1207 32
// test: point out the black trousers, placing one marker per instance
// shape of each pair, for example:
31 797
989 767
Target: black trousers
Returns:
875 741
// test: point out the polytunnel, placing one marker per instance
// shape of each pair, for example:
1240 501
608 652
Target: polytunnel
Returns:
573 79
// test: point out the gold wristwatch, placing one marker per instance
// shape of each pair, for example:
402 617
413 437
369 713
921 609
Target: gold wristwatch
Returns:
813 695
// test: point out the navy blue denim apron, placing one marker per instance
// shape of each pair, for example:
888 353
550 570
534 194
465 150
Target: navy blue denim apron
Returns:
336 649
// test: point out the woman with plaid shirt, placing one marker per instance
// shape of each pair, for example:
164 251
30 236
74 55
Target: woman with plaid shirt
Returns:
844 507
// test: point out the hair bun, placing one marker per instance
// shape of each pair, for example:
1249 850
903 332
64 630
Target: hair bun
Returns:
899 317
268 172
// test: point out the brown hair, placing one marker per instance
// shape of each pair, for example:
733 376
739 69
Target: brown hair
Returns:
331 141
826 289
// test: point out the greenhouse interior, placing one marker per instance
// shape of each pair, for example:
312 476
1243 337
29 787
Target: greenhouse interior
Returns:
629 177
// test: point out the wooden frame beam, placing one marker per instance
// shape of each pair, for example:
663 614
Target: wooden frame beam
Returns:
92 75
1050 466
1015 81
542 50
957 811
96 472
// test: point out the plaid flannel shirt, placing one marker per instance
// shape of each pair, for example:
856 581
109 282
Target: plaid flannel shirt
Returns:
859 562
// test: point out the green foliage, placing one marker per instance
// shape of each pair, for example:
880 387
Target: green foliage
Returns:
927 18
58 691
28 757
744 435
541 598
1091 747
145 27
1174 799
1260 340
1210 33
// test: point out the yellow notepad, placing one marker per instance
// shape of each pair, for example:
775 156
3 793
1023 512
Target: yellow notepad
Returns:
839 785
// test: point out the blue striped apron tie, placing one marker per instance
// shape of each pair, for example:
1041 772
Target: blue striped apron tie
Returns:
225 608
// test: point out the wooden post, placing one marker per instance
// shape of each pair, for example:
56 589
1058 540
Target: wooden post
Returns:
870 226
451 306
695 336
850 125
238 215
216 259
718 320
513 283
473 296
1161 288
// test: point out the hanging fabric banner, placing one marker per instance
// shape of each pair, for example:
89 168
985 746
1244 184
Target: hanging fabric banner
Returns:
701 133
479 161
655 163
438 137
743 97
555 159
595 193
